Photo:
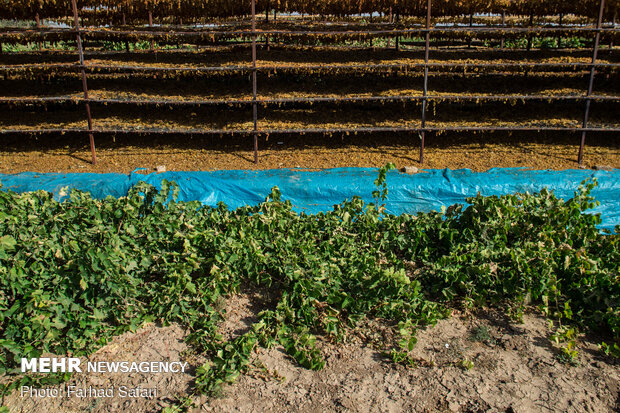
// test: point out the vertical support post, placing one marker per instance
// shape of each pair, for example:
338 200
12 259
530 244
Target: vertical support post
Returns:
425 91
36 17
180 24
267 21
84 85
126 41
529 37
559 39
151 25
611 42
390 20
471 24
597 39
503 25
397 20
254 102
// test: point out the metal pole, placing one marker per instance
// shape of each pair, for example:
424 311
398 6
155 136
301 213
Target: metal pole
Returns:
471 24
425 92
126 41
390 20
503 25
560 25
397 20
254 102
151 25
36 17
529 38
267 21
84 85
180 24
275 16
597 39
611 43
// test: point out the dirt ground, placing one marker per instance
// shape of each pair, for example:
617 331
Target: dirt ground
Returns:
514 370
479 362
191 154
150 343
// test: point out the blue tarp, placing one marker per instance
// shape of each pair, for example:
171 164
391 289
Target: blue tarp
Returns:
319 191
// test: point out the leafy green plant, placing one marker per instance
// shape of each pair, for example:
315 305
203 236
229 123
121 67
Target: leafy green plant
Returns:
465 364
75 273
401 357
566 338
611 349
382 192
482 335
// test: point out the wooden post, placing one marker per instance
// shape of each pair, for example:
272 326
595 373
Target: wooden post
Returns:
425 92
84 85
597 39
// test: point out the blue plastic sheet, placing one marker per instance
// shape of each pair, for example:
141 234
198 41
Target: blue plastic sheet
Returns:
319 191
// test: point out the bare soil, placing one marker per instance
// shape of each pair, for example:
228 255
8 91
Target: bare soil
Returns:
150 343
517 370
510 367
